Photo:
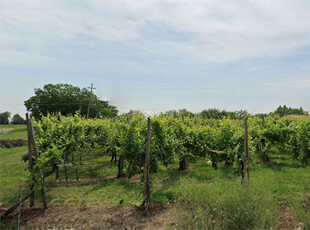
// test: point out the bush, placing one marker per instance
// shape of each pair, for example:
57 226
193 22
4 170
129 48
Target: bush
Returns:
230 206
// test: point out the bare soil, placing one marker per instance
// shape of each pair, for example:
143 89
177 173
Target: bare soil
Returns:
287 222
96 217
161 216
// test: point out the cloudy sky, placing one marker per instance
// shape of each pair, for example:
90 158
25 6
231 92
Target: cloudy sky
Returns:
159 55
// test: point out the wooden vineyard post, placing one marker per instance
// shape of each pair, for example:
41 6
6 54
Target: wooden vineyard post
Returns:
76 168
120 165
57 172
247 149
147 190
120 173
182 160
243 167
65 166
245 158
37 156
76 173
31 203
263 120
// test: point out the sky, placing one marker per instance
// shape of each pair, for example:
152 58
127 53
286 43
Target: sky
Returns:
159 55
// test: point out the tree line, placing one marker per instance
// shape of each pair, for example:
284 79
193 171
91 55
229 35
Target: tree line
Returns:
66 100
16 119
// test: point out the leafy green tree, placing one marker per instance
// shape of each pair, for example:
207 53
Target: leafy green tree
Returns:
133 113
283 111
181 113
4 118
172 113
186 113
240 114
213 114
218 114
18 120
67 100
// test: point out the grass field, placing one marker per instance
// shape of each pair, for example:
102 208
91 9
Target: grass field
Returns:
12 170
278 195
17 132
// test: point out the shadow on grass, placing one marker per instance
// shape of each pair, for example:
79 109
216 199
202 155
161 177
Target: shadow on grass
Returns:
171 187
280 158
91 171
282 165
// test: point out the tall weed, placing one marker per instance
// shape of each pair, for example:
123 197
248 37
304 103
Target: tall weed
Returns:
229 206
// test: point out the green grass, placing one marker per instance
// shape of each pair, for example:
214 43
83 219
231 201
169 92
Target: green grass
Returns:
11 166
97 185
283 183
18 132
226 205
11 174
201 196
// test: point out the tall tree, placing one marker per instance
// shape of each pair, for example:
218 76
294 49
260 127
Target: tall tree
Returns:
18 120
4 118
67 100
213 114
283 111
181 113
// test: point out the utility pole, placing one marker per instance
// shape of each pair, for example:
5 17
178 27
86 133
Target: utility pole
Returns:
91 91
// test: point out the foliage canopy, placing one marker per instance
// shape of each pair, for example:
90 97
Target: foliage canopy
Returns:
67 100
284 110
18 120
4 118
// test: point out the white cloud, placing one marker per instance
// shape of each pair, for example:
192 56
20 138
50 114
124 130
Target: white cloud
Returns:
24 59
215 31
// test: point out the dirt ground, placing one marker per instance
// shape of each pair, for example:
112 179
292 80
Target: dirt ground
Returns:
287 221
96 217
118 217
